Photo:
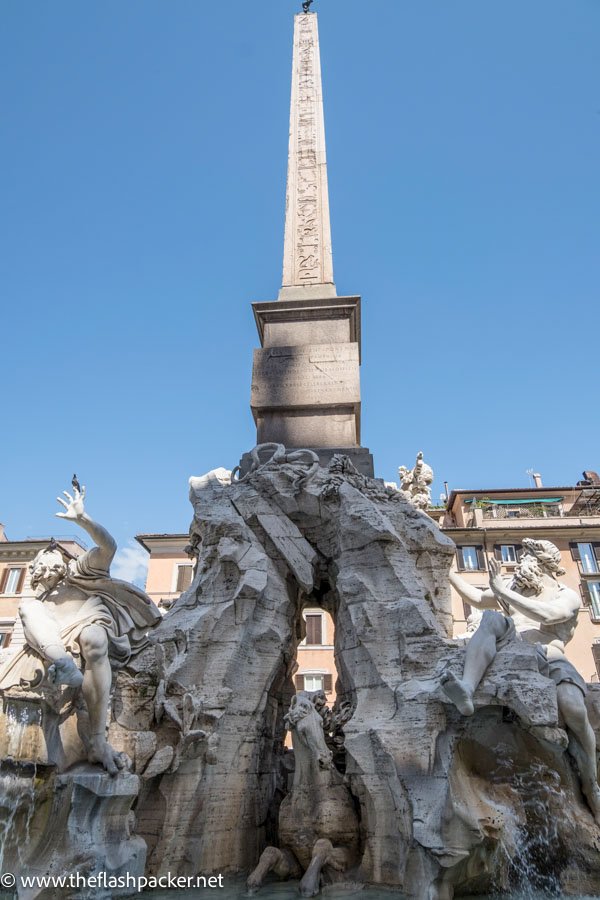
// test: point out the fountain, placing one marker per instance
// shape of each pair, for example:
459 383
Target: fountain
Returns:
420 798
135 746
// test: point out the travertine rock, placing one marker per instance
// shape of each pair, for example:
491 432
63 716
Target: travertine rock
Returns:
444 802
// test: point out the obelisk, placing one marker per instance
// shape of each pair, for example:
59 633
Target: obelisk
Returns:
306 376
307 255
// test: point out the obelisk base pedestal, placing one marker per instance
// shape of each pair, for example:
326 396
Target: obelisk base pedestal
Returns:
360 457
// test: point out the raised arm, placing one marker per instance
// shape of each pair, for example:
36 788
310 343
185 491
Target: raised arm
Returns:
560 609
472 595
100 556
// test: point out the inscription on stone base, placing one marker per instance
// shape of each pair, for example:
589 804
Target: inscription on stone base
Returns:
308 376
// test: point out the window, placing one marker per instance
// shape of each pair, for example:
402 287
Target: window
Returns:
184 578
470 559
314 631
589 564
12 582
5 637
508 553
596 655
315 681
594 595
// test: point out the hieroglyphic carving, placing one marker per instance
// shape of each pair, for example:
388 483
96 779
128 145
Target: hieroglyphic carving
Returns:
307 256
306 226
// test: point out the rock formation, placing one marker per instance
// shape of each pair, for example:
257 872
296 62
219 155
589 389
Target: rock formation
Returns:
444 803
436 803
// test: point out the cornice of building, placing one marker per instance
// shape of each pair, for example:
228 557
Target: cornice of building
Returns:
152 542
29 547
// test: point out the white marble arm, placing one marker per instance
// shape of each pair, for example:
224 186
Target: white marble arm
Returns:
472 595
560 609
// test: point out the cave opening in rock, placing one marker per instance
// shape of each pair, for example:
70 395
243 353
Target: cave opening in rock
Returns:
315 670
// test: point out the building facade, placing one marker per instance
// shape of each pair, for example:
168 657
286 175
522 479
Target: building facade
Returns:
15 579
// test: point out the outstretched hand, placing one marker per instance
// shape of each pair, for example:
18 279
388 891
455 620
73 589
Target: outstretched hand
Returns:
74 507
497 582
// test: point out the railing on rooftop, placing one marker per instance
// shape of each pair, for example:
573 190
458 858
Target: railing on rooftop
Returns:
529 511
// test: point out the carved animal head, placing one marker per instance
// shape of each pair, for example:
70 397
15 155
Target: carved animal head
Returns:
306 725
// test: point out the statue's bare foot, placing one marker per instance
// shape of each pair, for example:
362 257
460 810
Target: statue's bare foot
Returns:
459 693
64 671
101 752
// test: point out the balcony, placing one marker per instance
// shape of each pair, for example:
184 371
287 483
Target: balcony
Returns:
525 511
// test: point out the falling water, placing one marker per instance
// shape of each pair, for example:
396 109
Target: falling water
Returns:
17 784
536 846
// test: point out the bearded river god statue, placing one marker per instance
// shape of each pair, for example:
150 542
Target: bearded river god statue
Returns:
534 607
81 625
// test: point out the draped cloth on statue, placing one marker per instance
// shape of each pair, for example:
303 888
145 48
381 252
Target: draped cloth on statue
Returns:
124 611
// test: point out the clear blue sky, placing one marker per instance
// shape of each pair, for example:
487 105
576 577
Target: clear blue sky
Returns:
142 164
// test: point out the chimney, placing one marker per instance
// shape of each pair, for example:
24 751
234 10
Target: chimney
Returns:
537 479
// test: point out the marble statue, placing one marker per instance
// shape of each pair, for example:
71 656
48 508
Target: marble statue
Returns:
532 606
81 624
416 483
318 825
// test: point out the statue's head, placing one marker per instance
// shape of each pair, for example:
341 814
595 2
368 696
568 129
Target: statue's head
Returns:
528 575
47 569
547 554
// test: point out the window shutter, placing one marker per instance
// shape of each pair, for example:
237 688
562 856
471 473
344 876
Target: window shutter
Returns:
299 682
184 578
585 593
596 546
480 558
460 562
3 581
498 552
21 582
519 551
575 552
328 683
314 629
596 655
